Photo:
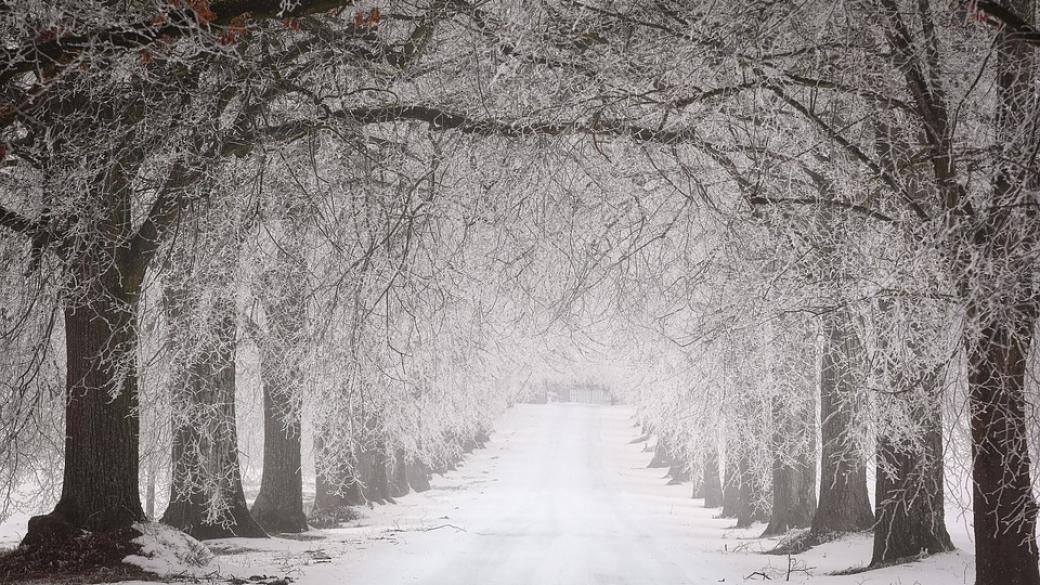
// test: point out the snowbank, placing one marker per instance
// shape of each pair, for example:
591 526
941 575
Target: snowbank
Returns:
168 552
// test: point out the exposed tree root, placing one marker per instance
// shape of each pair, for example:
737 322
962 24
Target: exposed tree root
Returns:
333 517
799 541
84 558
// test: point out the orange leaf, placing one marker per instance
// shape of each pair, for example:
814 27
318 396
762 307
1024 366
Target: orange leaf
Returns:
373 16
47 36
203 13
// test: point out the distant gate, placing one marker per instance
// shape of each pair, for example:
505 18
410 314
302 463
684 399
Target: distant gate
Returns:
585 393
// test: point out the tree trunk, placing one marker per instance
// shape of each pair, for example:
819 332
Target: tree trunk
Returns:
909 495
100 483
279 504
909 498
336 490
1002 317
731 484
149 497
749 495
696 483
1004 507
712 482
844 505
377 477
418 475
794 466
399 476
679 472
662 456
206 497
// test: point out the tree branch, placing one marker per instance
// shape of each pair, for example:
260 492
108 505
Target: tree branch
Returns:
35 56
996 15
440 119
17 222
763 200
852 149
162 217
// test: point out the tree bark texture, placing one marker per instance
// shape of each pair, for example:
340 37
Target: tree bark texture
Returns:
712 481
1004 508
1002 315
731 483
909 484
336 489
843 505
206 496
793 465
100 490
279 504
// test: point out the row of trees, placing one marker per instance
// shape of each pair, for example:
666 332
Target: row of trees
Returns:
366 197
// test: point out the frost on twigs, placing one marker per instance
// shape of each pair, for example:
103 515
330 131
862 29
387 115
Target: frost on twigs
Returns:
167 551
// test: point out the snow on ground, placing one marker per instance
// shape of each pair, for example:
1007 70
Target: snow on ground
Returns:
13 529
559 496
168 552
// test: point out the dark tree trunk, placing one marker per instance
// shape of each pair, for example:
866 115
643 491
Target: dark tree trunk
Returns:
1002 317
206 497
909 497
332 495
100 490
377 475
696 484
678 473
105 260
662 456
333 492
418 474
731 484
334 501
844 505
279 504
712 482
100 485
749 495
1004 507
794 465
991 254
399 476
336 490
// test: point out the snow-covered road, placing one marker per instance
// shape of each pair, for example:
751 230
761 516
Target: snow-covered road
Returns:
554 508
562 496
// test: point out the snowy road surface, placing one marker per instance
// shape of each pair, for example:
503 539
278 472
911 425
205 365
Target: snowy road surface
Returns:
559 496
562 496
554 508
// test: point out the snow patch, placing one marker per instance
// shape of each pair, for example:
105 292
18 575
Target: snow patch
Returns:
169 552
